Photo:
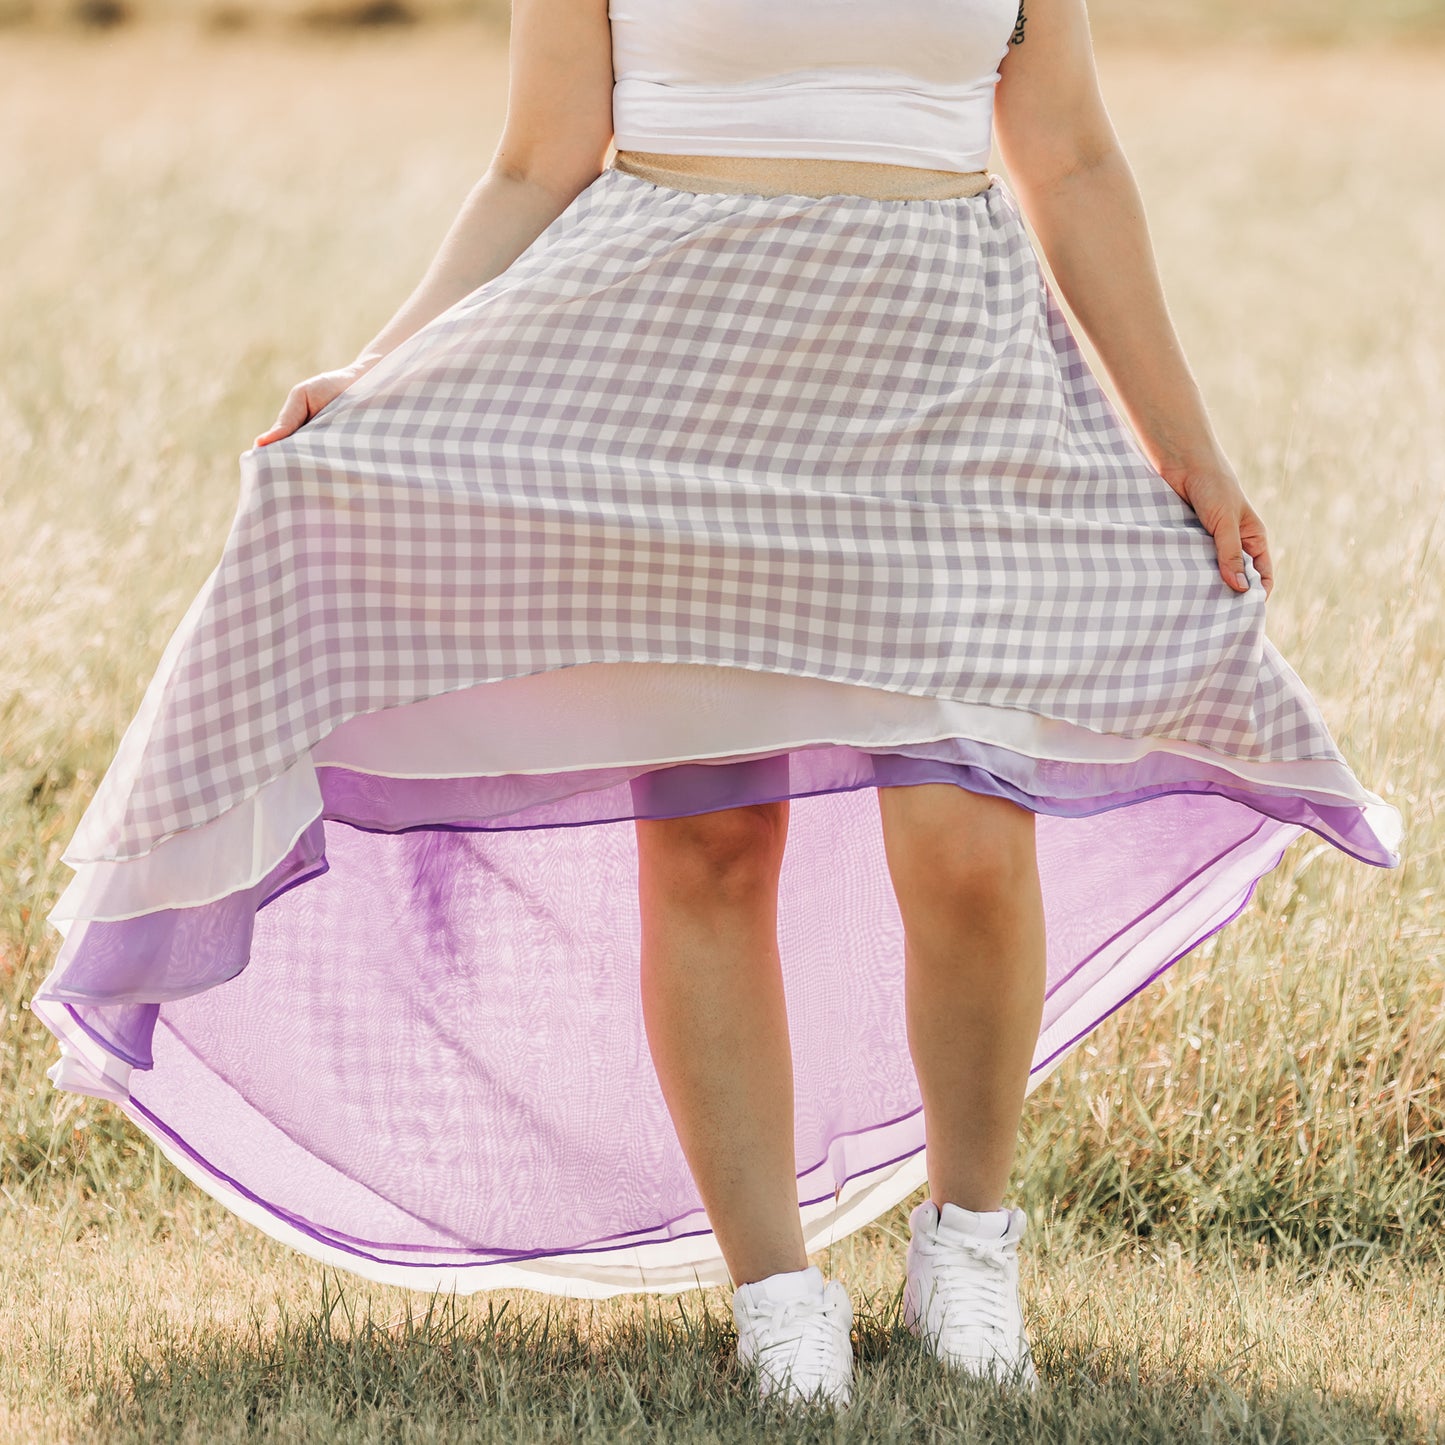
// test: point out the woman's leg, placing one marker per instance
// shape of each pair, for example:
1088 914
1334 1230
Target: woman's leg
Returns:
712 1003
965 873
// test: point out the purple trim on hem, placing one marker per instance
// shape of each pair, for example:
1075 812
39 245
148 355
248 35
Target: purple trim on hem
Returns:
338 797
110 1047
1165 967
624 1235
517 1257
1213 862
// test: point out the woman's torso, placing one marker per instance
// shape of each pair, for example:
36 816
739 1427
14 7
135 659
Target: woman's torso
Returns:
906 82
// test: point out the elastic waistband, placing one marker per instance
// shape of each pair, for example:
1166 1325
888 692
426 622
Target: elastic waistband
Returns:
800 175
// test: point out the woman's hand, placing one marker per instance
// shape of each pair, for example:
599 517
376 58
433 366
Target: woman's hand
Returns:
1219 502
307 397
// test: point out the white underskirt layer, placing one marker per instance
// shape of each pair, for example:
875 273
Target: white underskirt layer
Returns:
617 715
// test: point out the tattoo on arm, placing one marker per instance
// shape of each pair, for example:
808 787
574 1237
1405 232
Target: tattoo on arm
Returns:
1017 38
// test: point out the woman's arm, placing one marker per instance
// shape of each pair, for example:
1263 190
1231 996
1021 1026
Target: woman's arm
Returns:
554 143
1076 187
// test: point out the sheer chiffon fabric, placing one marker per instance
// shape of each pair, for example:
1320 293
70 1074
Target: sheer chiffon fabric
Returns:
707 500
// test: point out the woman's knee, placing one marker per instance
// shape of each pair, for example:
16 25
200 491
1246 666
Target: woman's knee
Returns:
729 853
947 844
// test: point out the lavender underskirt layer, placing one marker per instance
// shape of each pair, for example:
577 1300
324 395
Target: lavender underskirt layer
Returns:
387 1009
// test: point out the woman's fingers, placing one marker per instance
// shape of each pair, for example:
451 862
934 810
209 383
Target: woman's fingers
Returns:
308 397
1254 542
1230 552
294 411
1235 526
1240 530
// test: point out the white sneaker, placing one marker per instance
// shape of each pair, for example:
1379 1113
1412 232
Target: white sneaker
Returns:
962 1291
796 1330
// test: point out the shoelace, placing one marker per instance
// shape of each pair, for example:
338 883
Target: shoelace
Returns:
785 1324
982 1292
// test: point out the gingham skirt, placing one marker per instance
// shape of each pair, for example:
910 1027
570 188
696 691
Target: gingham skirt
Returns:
707 499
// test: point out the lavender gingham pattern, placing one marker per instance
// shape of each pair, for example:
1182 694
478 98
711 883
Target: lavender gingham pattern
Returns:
840 437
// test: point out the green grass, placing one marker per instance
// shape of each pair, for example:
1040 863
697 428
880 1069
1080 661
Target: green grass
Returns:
211 1332
1237 1186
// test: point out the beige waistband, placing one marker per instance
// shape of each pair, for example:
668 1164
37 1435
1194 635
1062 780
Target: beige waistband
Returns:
800 175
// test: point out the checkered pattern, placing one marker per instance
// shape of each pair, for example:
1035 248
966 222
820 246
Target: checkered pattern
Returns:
844 438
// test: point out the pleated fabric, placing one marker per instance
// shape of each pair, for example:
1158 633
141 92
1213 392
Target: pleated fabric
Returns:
707 499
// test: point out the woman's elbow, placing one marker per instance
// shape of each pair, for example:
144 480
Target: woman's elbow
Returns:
560 170
1044 164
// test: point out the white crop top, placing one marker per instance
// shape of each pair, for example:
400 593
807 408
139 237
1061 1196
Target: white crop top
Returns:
904 81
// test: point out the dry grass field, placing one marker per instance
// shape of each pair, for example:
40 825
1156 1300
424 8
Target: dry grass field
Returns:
1166 22
1237 1188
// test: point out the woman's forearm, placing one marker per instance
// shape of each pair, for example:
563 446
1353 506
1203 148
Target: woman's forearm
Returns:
1090 224
501 216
